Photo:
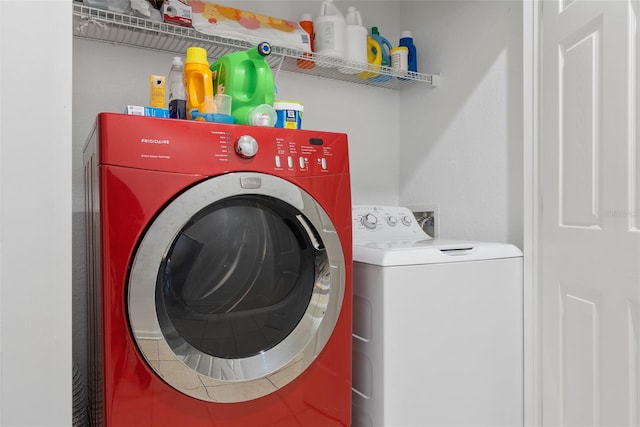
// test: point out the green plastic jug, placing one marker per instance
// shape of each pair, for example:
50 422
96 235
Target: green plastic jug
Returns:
247 78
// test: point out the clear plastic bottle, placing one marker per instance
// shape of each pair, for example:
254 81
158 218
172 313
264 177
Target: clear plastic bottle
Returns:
177 95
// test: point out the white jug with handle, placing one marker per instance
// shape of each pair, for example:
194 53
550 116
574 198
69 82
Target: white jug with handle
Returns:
355 43
329 29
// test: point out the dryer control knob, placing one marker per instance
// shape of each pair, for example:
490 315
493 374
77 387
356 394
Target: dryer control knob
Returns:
370 221
246 146
407 220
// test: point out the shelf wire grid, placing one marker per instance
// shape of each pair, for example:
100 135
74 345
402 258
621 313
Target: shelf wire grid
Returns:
129 30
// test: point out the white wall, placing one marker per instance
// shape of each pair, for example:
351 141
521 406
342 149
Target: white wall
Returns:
35 213
461 144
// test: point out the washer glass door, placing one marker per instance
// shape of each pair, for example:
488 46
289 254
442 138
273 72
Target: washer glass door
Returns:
236 287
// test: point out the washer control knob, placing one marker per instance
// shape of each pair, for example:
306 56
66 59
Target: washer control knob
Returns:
392 221
246 146
407 220
370 221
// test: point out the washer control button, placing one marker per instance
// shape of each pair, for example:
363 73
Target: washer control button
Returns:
392 221
370 221
323 163
278 161
246 146
407 220
290 162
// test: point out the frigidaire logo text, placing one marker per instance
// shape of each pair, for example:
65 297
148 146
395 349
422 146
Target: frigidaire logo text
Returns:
154 141
251 182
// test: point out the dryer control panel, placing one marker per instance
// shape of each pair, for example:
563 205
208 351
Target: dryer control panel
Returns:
381 223
206 148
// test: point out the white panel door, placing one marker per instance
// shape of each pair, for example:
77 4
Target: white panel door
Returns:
590 232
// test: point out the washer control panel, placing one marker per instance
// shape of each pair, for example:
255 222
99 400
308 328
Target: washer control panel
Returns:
378 223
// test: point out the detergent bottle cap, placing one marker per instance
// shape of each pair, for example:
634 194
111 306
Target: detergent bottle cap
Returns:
197 55
177 61
405 34
264 49
374 31
307 17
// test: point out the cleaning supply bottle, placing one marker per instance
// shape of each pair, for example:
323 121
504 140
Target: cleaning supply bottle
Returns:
385 46
307 26
177 98
406 39
374 58
247 78
329 29
355 41
198 81
385 51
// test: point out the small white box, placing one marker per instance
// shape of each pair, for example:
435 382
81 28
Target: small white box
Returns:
176 12
135 110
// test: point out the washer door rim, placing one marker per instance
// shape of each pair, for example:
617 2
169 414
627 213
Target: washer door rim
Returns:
215 379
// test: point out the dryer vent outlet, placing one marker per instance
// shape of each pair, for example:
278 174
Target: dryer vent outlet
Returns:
427 218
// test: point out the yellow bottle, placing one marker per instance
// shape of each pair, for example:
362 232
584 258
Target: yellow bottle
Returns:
156 91
374 57
198 82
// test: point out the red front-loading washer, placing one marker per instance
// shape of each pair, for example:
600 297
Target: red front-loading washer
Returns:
219 260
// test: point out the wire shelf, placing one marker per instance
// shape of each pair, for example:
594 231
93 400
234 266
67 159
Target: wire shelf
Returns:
128 30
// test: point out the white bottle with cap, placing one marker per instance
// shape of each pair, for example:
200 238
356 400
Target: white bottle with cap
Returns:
355 41
329 28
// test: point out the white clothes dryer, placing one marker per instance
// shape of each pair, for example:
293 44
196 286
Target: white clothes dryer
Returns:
437 326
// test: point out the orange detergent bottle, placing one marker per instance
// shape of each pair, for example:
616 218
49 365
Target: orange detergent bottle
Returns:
198 81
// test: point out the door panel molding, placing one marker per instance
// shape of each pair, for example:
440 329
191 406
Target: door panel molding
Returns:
580 57
633 325
634 124
580 354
